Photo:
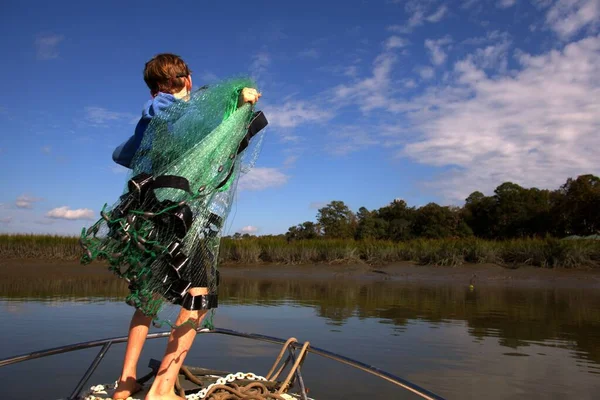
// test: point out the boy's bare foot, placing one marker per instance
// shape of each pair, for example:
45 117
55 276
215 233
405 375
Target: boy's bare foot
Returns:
126 388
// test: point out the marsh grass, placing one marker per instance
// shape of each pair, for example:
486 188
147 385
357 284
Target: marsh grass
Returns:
51 286
546 253
49 247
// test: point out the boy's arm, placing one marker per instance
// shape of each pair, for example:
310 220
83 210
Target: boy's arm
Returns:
124 153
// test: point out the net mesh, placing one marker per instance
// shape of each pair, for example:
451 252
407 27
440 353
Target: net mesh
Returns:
163 233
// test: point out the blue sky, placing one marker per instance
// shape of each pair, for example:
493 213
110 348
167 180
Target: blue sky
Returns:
370 101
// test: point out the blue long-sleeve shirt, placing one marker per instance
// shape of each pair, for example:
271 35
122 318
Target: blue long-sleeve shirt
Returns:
124 153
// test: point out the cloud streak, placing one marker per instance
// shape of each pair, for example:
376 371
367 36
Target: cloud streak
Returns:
66 213
568 17
506 3
25 201
294 113
348 139
439 14
370 92
536 124
259 64
102 116
395 42
47 46
436 49
535 128
262 178
249 229
419 13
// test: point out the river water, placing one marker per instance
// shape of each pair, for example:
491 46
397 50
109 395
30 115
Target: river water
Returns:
490 342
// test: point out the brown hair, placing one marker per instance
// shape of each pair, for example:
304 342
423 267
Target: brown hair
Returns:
165 73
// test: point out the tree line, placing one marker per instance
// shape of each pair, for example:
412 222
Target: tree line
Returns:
511 212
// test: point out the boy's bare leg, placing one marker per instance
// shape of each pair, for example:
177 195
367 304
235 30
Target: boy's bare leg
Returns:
138 330
180 342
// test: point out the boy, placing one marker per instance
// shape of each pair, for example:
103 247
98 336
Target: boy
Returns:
169 80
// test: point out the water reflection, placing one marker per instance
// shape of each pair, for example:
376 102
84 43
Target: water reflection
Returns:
517 317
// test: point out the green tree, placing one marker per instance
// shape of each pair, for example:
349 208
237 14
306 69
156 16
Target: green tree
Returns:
577 206
511 203
436 222
370 226
337 220
305 230
540 221
399 218
480 214
523 212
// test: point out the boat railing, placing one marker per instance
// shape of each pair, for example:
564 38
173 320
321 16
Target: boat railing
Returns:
107 343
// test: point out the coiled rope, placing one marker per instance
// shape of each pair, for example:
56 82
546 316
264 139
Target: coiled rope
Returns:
225 389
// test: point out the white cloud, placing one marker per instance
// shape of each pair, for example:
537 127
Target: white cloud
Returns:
249 229
260 63
568 17
6 220
410 83
535 127
65 213
542 4
436 49
293 113
439 14
493 57
426 72
370 92
395 42
351 70
490 37
47 46
262 178
418 14
466 4
100 116
46 149
349 139
25 201
290 160
416 19
309 53
506 3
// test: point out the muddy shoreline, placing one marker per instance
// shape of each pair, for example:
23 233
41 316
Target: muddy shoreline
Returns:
406 272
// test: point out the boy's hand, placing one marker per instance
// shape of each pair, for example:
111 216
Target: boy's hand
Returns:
248 95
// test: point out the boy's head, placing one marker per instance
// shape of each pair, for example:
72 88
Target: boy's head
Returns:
167 73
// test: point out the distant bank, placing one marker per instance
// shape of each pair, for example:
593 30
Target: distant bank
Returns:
544 253
36 277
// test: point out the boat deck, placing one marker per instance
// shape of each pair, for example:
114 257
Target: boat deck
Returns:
190 382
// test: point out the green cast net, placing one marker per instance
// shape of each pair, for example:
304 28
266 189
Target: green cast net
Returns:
162 235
